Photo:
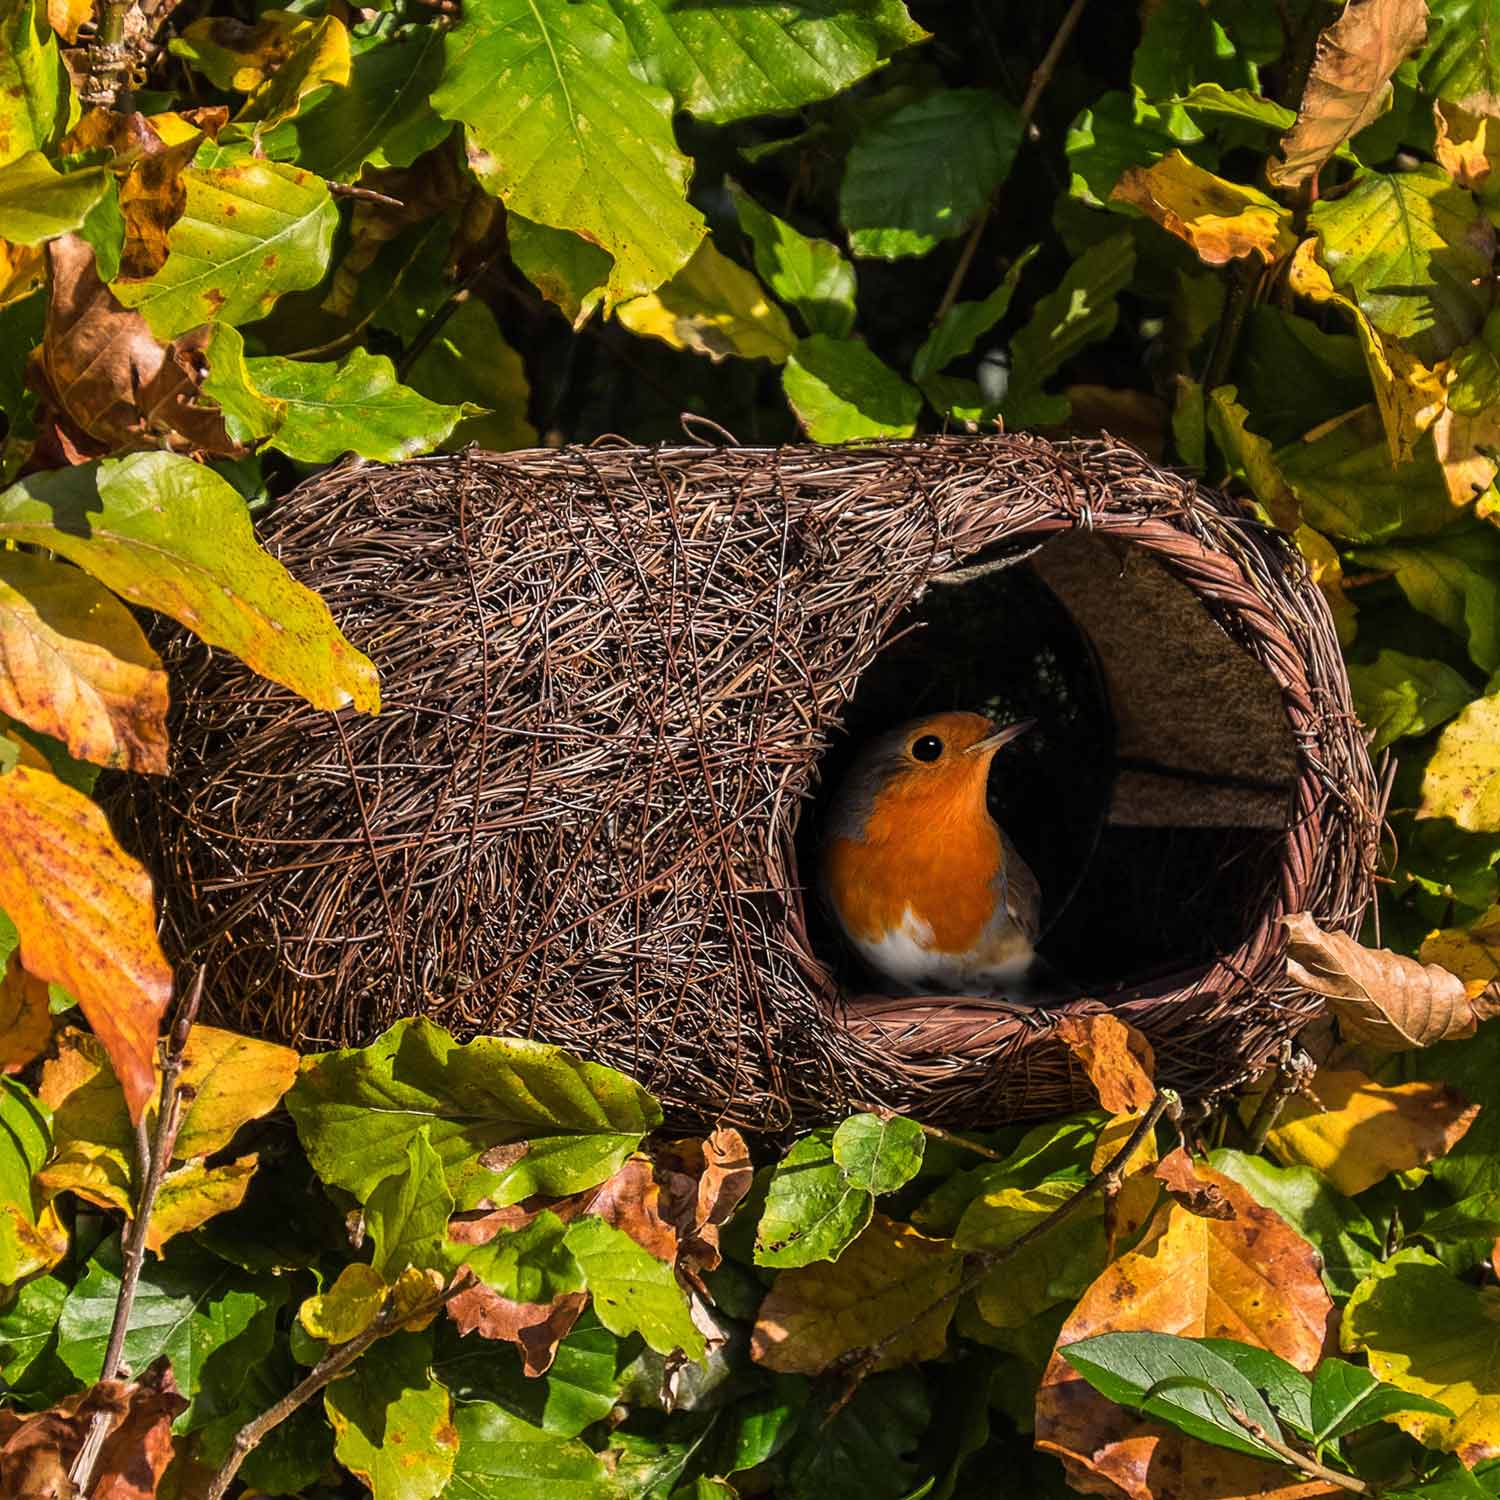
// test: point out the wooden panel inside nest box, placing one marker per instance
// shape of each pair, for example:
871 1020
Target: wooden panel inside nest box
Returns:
1202 737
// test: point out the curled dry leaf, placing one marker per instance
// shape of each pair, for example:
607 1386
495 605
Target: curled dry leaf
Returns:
1250 1278
703 1182
1117 1058
631 1200
1221 220
1193 1192
25 1020
535 1328
1382 998
1350 82
109 384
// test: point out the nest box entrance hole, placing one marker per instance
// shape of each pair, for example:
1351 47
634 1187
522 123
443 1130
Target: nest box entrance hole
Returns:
1153 797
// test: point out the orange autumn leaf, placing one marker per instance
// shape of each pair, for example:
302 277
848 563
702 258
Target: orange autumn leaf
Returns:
631 1201
83 910
1221 220
25 1020
1251 1278
1187 1186
1117 1058
1356 1131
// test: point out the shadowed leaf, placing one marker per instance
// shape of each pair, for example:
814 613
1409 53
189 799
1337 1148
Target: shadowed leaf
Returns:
25 1020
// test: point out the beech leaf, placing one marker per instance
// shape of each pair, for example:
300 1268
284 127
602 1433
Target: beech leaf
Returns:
1119 1061
25 1019
1221 220
1462 779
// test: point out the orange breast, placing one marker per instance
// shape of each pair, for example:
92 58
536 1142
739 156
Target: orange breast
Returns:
929 845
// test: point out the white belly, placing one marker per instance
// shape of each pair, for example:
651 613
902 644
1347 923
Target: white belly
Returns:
904 957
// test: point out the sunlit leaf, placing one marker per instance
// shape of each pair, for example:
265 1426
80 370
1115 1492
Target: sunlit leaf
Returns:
1473 952
1462 58
813 1212
1119 1061
25 1019
1221 220
192 1195
1462 779
38 202
879 1154
348 1307
34 93
168 533
590 150
841 390
564 267
321 57
1398 695
810 275
919 175
407 1214
500 1454
632 1291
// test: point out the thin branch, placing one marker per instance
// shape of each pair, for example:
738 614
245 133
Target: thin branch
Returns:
1040 78
153 1156
440 315
1237 305
932 1132
982 1263
363 194
1291 1074
387 1321
1303 1462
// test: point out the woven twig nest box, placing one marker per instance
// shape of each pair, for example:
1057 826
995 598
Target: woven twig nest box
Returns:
612 678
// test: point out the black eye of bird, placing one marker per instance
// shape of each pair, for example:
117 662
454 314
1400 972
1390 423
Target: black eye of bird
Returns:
928 747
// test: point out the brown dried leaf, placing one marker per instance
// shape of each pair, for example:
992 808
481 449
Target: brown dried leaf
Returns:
1221 220
703 1182
891 1282
1177 1173
631 1201
66 16
535 1328
1249 1278
1349 85
1117 1058
1356 1131
74 664
83 909
111 385
1381 998
25 1020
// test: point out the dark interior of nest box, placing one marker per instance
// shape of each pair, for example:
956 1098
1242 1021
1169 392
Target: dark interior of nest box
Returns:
1151 799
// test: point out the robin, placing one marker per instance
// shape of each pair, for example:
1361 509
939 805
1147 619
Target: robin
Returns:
925 884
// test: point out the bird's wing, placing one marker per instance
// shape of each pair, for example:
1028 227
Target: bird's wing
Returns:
1022 893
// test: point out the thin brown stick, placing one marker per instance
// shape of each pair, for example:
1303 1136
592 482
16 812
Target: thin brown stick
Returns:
983 1262
152 1159
932 1132
387 1321
1040 78
363 194
1303 1462
440 315
1291 1074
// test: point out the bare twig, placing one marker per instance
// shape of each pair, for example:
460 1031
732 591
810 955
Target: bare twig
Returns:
1301 1461
153 1156
1040 78
982 1263
932 1132
1291 1074
440 315
387 1321
363 194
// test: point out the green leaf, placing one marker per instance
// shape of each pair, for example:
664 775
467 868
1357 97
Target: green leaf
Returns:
34 92
865 1450
1462 55
501 1455
562 130
632 1291
1471 1218
810 275
248 233
1432 1336
841 390
27 1326
565 268
965 323
921 174
1119 131
382 116
1184 43
1174 1380
1346 1397
1398 695
581 1387
1413 251
1336 1226
357 1110
212 1321
104 228
357 403
813 1212
407 1214
37 202
724 61
1285 1387
533 1264
392 1421
879 1155
171 535
1080 312
1455 578
1236 104
470 359
1342 474
712 306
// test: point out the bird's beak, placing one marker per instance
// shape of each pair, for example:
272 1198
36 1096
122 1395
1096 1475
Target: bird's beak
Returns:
1001 737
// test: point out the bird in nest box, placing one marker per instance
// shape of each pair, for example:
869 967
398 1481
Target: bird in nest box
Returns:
924 884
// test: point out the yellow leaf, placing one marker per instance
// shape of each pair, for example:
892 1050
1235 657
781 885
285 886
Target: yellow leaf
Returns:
194 1194
23 269
1328 573
416 1288
93 1144
1464 442
1251 456
28 1249
1119 1061
66 16
74 664
1472 953
234 1078
83 909
891 1280
1349 83
1462 779
1221 220
1409 396
241 58
1357 1132
1468 145
715 307
25 1019
348 1307
323 57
